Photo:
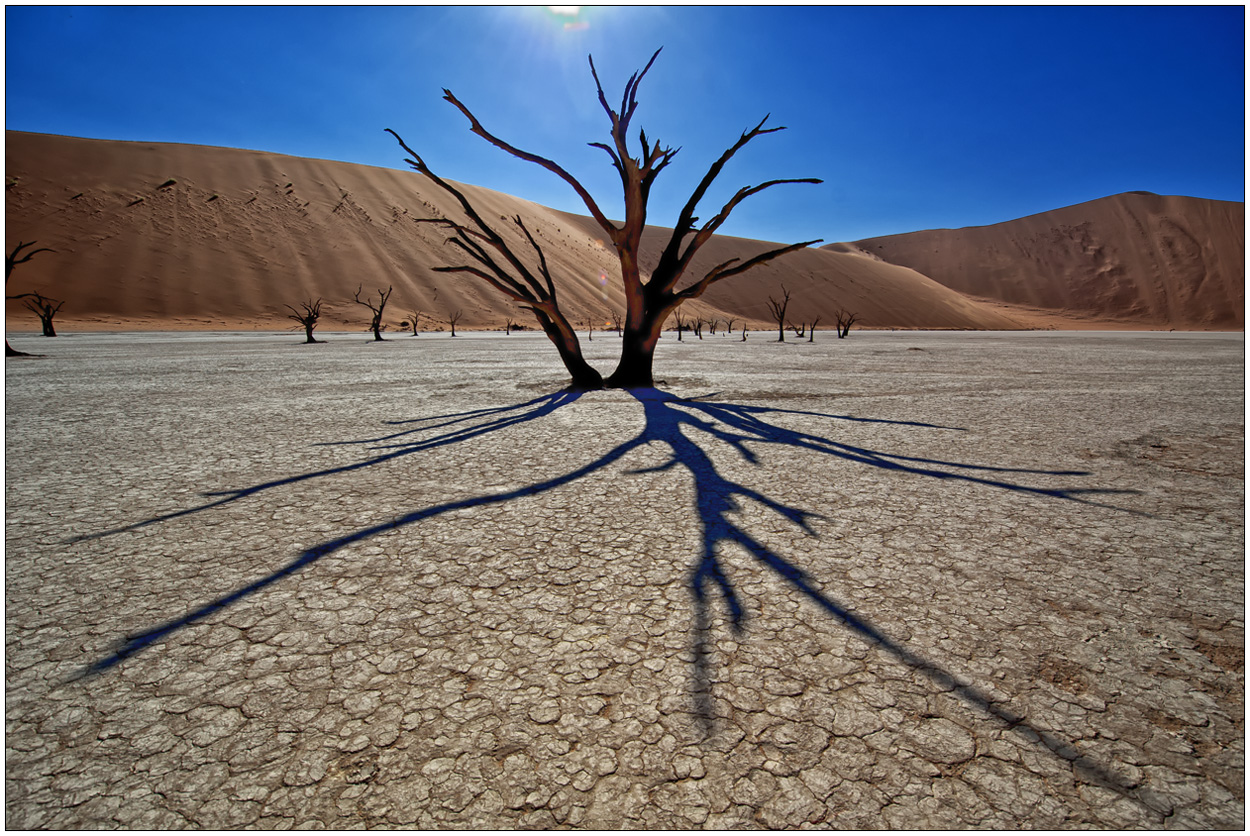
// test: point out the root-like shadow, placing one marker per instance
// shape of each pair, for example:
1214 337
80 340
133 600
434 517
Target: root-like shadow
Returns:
458 427
743 428
689 429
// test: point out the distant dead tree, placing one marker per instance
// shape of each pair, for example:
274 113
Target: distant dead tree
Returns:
44 308
14 258
811 335
307 316
649 303
414 320
453 319
744 332
845 319
778 309
729 326
682 324
616 322
698 327
376 324
508 326
799 330
589 322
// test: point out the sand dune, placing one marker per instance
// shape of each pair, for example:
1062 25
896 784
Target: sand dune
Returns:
152 235
161 235
1162 261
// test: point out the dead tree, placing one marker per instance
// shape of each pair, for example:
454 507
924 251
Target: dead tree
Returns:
508 326
43 308
845 319
648 303
376 324
590 328
681 324
811 335
453 319
729 326
414 321
616 322
778 309
698 327
799 330
307 316
14 258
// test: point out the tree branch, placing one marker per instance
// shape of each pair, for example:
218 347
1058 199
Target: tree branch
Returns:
724 271
477 128
674 261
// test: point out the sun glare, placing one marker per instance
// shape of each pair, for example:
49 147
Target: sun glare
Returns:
571 14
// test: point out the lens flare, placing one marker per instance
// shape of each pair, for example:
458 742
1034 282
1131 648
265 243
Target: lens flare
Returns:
573 12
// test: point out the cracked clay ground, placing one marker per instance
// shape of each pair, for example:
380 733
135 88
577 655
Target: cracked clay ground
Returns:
899 580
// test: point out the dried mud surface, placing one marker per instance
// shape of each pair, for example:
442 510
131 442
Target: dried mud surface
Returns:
903 580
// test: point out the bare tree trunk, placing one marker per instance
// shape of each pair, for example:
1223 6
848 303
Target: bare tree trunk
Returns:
845 319
635 368
778 308
10 261
376 324
584 376
311 313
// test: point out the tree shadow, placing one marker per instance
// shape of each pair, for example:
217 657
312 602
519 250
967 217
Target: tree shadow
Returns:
717 498
688 428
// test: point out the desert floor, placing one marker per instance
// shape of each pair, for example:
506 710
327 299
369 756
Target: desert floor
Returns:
899 580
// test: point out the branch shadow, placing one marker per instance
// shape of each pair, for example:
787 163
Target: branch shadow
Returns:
718 498
687 427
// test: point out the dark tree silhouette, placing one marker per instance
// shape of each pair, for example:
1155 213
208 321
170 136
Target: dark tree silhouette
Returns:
376 324
307 316
845 319
509 324
778 309
415 320
617 320
44 308
811 335
682 324
453 319
14 258
729 325
648 303
799 330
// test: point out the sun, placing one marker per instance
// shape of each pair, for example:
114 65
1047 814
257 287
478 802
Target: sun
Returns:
571 16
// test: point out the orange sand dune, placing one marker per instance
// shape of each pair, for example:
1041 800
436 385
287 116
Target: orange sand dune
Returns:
161 235
1136 258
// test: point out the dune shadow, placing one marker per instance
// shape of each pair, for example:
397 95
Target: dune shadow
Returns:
686 429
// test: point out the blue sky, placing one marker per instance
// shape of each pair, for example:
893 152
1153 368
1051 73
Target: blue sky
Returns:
915 117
